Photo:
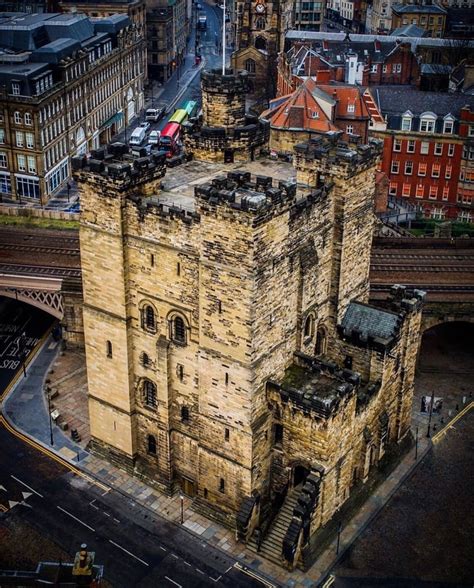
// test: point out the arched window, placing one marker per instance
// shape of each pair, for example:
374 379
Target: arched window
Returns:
309 326
261 43
149 317
184 414
320 342
109 348
179 330
149 393
145 359
260 23
250 65
151 445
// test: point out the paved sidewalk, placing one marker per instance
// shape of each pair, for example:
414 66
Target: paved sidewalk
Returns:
26 408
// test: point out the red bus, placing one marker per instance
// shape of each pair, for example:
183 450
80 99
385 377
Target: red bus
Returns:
169 138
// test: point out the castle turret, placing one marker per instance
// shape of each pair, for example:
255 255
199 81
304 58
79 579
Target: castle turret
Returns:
225 133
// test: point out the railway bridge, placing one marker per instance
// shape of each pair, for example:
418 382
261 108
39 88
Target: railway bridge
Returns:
42 268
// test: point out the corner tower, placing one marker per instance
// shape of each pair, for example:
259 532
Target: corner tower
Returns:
225 133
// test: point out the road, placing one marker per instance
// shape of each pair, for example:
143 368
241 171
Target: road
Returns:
21 328
40 495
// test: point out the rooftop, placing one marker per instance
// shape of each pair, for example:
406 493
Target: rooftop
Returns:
370 322
399 99
418 8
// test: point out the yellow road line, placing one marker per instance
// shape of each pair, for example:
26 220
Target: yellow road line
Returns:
3 508
436 438
51 454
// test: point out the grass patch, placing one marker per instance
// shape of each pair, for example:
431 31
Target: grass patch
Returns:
38 222
426 227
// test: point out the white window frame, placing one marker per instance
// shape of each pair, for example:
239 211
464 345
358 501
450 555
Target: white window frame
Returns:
30 140
450 149
20 139
3 160
21 162
31 159
397 145
424 148
17 118
16 88
438 149
395 167
411 146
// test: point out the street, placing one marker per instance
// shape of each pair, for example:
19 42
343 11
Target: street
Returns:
137 548
21 327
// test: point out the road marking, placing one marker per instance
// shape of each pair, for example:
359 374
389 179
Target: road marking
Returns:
116 520
228 569
93 505
175 583
3 508
186 563
215 579
129 553
26 485
75 518
106 514
3 488
27 495
12 503
163 549
200 571
174 555
252 574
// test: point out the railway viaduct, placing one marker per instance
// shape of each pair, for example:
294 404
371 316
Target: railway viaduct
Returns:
42 268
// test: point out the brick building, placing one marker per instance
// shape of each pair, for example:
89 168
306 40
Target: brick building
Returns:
426 147
315 108
369 59
430 17
68 84
246 367
465 196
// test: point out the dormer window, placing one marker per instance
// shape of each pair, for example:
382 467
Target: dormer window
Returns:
427 123
314 114
351 108
16 88
448 125
406 121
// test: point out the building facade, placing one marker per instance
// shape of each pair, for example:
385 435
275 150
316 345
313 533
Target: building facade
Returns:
63 96
465 194
308 16
259 36
246 367
134 9
427 149
430 17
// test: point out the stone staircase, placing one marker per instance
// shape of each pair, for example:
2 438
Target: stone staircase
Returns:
271 546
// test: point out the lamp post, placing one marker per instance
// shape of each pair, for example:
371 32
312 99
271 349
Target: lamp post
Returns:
431 414
21 351
182 508
48 390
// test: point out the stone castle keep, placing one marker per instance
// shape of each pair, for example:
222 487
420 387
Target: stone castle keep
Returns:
225 133
231 350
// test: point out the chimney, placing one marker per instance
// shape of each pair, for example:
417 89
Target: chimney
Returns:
325 45
323 76
378 45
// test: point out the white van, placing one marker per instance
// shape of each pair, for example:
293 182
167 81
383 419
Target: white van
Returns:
138 136
154 138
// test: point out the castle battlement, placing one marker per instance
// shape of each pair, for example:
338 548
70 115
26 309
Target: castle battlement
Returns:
258 196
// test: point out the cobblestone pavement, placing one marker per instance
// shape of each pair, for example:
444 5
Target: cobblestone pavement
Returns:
69 378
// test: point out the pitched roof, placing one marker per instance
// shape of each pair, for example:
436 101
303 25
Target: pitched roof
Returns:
347 97
410 30
418 8
370 322
302 109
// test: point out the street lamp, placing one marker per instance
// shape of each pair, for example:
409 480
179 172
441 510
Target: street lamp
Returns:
48 391
182 508
22 352
431 414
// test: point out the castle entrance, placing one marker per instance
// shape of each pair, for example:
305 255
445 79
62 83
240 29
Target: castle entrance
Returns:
299 475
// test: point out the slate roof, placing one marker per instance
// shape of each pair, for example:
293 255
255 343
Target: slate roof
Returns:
56 50
418 8
370 322
399 99
410 30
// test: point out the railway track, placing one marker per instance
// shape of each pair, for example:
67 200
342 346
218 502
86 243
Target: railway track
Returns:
39 270
390 267
50 250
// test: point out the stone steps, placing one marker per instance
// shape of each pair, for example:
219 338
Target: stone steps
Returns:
271 546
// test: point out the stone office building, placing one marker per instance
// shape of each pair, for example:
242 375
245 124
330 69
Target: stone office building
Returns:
231 350
67 85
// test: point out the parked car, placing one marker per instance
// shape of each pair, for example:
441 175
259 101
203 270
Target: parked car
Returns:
145 125
138 136
154 138
154 114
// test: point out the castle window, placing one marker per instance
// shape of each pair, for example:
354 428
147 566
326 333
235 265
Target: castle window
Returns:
260 23
320 342
219 306
109 349
148 318
227 434
309 326
180 371
178 330
149 393
250 65
152 260
222 485
151 445
184 414
278 434
178 269
226 378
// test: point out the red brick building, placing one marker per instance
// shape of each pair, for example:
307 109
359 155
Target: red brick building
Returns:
426 147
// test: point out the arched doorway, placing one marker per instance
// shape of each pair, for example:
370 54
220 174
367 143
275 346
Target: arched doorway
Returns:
300 473
445 369
261 43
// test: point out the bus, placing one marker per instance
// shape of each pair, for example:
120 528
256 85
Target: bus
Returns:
169 138
202 22
179 116
190 107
